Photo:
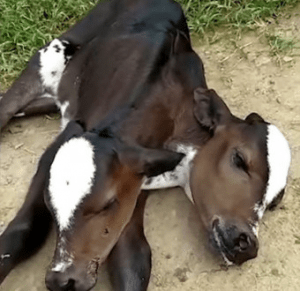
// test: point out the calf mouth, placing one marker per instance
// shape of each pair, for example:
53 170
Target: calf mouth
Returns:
71 278
220 246
235 249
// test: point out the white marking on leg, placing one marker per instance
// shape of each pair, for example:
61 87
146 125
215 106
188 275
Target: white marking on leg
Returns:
64 119
180 176
5 256
21 114
47 95
279 159
53 63
71 178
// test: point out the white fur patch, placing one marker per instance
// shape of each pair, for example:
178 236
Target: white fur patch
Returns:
5 256
53 62
279 159
21 114
64 260
61 267
71 178
180 176
255 228
64 119
216 237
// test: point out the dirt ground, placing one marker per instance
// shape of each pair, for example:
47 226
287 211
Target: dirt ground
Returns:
250 79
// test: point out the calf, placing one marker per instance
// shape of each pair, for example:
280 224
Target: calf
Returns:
136 114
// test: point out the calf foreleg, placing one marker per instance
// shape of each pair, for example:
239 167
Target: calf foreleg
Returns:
129 263
28 230
25 89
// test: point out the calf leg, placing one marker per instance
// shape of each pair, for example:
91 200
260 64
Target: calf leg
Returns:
129 263
41 78
28 230
39 106
27 88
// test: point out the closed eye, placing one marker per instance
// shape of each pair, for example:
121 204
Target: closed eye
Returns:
109 204
239 161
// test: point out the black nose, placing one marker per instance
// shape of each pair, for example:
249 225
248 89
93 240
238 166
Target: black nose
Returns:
244 246
57 281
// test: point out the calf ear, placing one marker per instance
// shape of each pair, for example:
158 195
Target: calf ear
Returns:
182 43
253 118
209 109
150 162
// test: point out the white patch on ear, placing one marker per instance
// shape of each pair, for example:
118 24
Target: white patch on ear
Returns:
53 62
71 178
180 176
279 159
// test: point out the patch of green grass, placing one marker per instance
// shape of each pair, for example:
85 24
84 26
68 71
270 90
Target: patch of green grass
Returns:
204 15
26 25
280 44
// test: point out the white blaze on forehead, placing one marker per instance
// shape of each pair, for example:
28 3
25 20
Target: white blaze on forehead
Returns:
71 178
279 159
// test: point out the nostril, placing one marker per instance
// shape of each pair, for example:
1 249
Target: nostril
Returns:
244 242
70 284
215 222
56 281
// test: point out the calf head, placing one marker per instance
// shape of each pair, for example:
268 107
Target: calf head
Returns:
239 173
93 187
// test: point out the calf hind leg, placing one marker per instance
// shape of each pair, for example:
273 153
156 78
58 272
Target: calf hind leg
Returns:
129 263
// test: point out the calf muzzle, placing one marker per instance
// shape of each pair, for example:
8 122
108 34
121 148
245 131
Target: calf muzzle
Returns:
68 281
236 242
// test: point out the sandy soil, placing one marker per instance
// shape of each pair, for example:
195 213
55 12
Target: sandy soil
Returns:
249 79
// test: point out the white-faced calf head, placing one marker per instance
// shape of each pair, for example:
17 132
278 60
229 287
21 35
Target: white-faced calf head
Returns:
93 187
239 173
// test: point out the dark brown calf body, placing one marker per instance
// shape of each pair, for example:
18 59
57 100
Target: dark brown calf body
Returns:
138 90
148 69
